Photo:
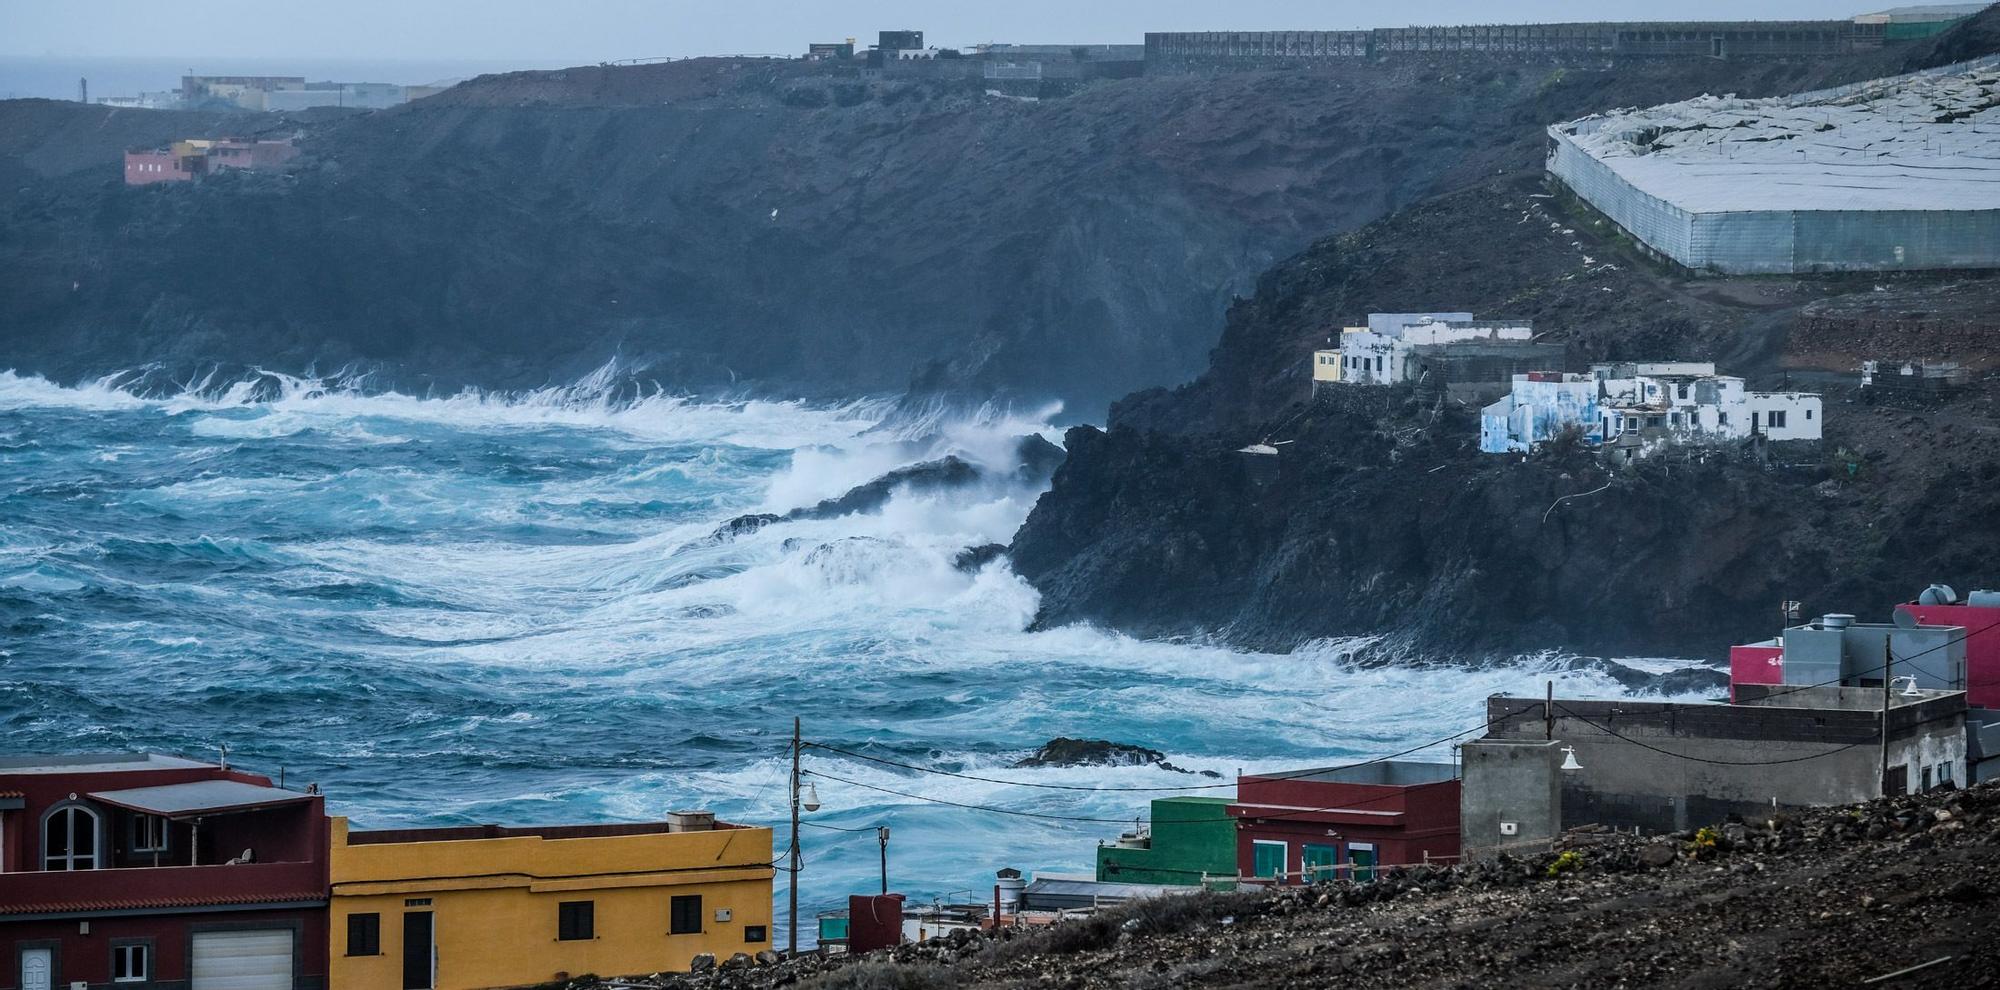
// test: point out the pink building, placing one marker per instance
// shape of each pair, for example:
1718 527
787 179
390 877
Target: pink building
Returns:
1979 614
143 168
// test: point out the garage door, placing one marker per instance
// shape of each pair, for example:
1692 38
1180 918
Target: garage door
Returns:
246 960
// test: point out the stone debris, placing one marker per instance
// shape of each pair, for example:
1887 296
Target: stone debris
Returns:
1829 897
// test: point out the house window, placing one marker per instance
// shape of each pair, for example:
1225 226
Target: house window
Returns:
1809 414
684 915
1378 362
131 962
1652 421
1683 391
1777 419
1722 419
576 921
756 933
364 934
1927 779
69 839
149 834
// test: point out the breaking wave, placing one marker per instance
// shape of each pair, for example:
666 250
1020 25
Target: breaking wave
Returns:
514 607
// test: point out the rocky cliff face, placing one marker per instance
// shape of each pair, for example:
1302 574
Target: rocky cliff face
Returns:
735 223
1379 519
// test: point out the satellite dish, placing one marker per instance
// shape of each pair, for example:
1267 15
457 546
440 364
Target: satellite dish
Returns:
1905 620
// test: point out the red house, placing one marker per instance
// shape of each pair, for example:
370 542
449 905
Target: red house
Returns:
1979 614
128 869
1345 822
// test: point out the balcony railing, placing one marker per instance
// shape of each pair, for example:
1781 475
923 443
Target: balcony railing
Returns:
162 886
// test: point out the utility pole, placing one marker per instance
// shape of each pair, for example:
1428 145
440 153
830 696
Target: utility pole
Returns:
1549 712
882 834
1888 670
793 912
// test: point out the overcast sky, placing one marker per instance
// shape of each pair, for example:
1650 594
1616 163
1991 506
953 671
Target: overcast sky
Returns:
582 31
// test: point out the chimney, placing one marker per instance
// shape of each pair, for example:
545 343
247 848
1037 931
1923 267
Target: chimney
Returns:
690 821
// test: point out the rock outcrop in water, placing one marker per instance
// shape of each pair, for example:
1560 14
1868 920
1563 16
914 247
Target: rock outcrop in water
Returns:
1066 752
708 227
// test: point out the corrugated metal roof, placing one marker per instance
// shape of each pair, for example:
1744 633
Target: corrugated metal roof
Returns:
1920 142
199 797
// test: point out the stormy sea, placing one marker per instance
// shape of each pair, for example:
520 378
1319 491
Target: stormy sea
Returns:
518 609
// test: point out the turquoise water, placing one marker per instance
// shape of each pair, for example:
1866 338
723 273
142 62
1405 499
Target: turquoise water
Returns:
502 609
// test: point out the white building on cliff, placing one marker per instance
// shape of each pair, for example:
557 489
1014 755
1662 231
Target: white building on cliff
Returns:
1639 409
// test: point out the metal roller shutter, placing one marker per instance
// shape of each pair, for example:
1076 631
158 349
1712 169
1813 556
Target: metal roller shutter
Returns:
246 960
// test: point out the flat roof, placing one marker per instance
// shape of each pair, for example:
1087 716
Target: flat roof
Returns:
199 797
94 762
1929 141
1400 773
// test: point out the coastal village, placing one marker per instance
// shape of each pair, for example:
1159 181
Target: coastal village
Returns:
120 868
151 869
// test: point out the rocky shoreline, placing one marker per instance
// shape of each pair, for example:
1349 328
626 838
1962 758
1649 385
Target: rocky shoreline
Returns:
1830 897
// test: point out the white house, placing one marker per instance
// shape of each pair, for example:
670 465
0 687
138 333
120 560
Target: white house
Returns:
1382 352
1643 408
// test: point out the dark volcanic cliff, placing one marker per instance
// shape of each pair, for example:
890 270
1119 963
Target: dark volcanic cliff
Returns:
732 223
1383 520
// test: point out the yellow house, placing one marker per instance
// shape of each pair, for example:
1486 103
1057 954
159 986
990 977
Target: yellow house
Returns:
485 906
1326 366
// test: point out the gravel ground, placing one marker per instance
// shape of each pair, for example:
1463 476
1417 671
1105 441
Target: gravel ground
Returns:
1825 899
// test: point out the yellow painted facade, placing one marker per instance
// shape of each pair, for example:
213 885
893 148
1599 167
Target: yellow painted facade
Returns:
495 903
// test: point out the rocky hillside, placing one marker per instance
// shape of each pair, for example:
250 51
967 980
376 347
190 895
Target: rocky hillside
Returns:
733 223
1902 888
1384 521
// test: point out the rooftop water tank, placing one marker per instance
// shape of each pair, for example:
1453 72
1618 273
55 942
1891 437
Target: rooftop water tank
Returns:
1010 886
1983 599
1938 594
1836 620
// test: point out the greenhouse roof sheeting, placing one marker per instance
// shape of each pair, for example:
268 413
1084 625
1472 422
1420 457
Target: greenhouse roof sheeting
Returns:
1923 142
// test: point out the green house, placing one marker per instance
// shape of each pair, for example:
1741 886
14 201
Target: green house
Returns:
1190 837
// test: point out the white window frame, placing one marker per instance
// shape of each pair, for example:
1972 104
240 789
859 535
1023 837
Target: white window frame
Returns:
70 859
126 955
150 834
1284 855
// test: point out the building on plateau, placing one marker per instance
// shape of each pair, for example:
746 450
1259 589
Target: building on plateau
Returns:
1440 350
186 160
1345 822
487 906
148 871
1900 173
1637 409
1188 840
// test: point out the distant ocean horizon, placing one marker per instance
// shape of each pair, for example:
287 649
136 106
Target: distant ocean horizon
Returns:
55 77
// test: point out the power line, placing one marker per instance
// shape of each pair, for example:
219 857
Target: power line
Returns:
1085 787
970 807
1291 776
